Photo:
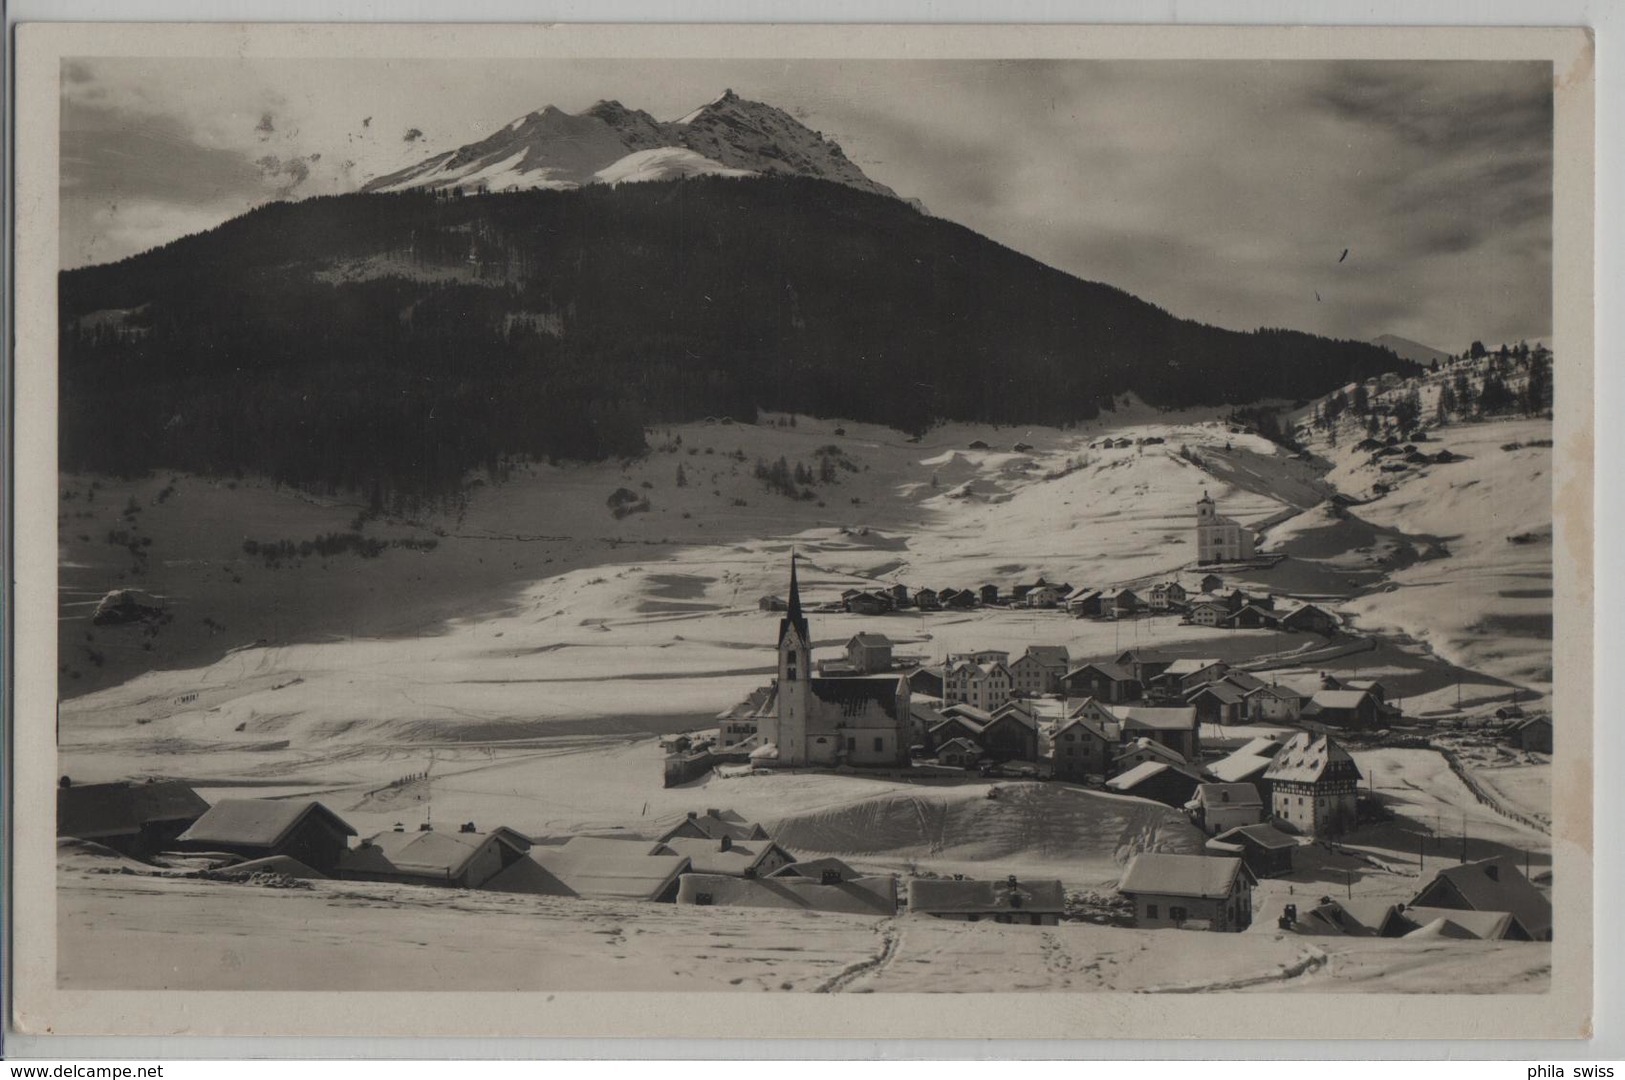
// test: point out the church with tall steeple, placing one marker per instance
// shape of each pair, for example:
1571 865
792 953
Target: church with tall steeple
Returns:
1218 538
813 721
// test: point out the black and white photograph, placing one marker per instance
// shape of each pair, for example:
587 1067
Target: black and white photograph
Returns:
814 525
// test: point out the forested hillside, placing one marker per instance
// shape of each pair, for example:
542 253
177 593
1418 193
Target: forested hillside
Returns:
391 343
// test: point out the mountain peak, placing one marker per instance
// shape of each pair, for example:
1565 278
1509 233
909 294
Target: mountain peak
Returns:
550 148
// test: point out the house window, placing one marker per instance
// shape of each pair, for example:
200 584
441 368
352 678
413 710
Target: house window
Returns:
790 671
880 744
1176 913
1151 911
851 742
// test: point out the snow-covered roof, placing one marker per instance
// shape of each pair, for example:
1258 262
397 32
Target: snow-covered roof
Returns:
1494 884
1141 773
721 856
870 641
1307 757
1340 699
1263 834
1157 717
257 822
853 896
946 896
1155 749
1191 666
1202 876
1225 692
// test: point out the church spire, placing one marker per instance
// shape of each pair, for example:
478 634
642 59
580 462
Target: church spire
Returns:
793 617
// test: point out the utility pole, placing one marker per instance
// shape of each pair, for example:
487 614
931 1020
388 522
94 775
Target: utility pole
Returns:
1421 855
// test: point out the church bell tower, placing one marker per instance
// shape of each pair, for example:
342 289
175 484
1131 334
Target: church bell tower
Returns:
795 675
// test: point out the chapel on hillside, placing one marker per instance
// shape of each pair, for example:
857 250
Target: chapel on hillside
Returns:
814 721
1218 538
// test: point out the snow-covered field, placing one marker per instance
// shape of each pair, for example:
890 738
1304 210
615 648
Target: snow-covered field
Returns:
117 931
527 663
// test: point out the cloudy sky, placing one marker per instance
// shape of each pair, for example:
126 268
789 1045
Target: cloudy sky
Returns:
1224 191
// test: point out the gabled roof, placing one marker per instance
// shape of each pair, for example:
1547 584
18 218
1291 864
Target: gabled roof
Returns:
1154 748
945 896
1013 716
966 712
1087 725
855 896
1356 918
95 811
421 854
1493 884
1201 876
1048 655
1228 795
1340 699
1145 656
1144 771
1190 666
1240 767
559 871
1243 680
716 824
870 641
723 856
1532 721
1483 925
852 692
962 744
959 722
613 846
1082 592
1225 692
1263 834
1113 671
1306 757
815 869
257 822
1156 718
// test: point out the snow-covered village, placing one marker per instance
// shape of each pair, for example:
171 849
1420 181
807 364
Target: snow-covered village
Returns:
718 621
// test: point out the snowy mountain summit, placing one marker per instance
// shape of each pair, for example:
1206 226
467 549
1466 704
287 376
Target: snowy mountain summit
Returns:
612 144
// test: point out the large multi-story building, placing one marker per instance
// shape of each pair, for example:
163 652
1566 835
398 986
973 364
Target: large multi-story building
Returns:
1218 538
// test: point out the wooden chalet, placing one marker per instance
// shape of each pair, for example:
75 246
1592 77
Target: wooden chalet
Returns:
1266 850
302 829
137 819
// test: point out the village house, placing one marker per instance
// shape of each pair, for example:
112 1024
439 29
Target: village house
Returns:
869 653
1160 781
1080 749
829 721
927 600
1221 807
1175 728
926 681
301 829
1532 733
1349 918
851 896
1028 677
464 859
1084 603
1207 613
1493 884
1189 892
1166 596
1105 681
1433 922
1182 676
1314 786
1350 710
1033 903
899 595
1046 665
1135 752
1252 616
601 870
980 656
1266 850
1310 618
959 752
715 824
1119 603
735 858
868 603
1010 736
1274 704
1210 583
957 599
825 869
737 725
1043 596
984 685
137 819
922 717
1218 702
772 603
1145 664
1218 538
